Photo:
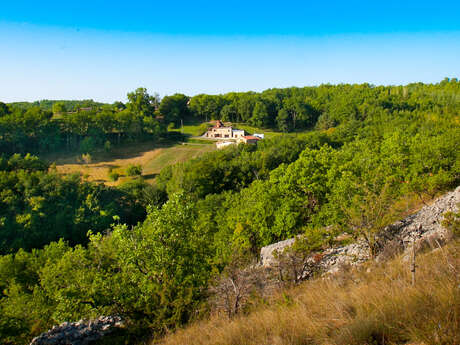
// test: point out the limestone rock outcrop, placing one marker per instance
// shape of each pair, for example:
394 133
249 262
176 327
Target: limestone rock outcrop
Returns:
267 254
422 226
79 333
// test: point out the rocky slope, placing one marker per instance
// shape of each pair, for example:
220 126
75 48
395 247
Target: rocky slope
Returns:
421 227
418 228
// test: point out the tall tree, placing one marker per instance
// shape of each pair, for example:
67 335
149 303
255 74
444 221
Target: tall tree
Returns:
174 108
59 108
141 103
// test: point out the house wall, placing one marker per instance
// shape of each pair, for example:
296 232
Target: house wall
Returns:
238 134
224 132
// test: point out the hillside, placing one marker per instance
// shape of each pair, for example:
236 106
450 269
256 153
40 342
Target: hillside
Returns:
355 299
375 304
348 301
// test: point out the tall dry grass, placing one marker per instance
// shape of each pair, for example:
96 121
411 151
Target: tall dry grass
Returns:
376 305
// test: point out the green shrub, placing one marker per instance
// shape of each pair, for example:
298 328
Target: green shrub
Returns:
133 170
113 176
203 128
452 222
87 145
107 146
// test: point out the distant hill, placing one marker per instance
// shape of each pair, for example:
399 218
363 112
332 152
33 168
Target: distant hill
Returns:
47 104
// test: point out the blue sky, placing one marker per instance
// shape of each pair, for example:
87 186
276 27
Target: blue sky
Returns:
103 49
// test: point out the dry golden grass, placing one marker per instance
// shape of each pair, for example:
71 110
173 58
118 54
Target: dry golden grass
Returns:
376 305
152 159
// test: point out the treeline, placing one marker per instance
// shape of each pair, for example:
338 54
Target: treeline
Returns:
37 130
348 176
277 190
53 125
63 105
325 106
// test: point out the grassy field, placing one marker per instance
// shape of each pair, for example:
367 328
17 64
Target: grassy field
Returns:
197 128
193 128
173 155
150 156
269 133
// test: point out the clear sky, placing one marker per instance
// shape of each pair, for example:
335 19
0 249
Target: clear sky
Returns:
103 49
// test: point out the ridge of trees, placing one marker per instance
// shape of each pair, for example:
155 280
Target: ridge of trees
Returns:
33 128
62 105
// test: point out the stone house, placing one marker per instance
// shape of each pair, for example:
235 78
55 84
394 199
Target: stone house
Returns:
220 131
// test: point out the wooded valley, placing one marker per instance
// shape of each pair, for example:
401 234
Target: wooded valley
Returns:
349 159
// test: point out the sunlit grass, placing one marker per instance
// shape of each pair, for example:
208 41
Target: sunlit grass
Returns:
173 155
150 156
376 305
269 133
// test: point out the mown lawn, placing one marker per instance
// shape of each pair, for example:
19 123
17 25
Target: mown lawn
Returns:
194 128
173 155
269 133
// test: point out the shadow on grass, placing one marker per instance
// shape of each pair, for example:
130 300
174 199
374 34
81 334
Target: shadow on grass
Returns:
149 176
126 150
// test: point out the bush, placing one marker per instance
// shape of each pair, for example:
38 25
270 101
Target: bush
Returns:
452 222
113 176
144 193
203 128
133 170
87 145
107 146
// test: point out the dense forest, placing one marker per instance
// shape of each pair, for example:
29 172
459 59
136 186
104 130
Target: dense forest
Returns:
150 253
40 206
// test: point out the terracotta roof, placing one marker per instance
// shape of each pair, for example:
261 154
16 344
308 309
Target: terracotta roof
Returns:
251 137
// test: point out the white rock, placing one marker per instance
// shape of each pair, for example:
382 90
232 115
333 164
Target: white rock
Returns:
424 225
